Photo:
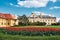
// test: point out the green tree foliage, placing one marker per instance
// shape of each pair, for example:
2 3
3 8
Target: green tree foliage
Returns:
23 20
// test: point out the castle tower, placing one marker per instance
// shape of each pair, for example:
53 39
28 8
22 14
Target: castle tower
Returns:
41 15
33 15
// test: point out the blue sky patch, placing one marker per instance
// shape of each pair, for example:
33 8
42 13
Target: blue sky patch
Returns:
20 7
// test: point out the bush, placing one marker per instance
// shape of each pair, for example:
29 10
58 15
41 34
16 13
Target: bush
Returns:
55 24
40 23
34 24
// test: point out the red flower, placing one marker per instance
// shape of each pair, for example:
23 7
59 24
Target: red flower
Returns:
32 29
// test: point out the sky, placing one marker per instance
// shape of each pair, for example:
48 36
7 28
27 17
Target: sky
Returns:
20 7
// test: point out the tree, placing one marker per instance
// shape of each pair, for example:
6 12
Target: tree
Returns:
23 20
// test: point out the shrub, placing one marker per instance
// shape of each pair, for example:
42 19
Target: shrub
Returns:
40 23
34 24
55 24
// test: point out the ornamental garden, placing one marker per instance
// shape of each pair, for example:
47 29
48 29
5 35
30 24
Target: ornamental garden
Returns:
31 29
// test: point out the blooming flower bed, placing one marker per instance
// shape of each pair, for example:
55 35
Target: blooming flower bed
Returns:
31 31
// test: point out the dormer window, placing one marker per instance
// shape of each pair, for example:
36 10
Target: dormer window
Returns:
8 23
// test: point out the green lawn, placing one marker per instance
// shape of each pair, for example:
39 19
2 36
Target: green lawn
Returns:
52 26
41 26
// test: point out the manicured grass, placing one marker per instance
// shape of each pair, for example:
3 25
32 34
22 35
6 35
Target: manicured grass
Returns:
42 26
52 26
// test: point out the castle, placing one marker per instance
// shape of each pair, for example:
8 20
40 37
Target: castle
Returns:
42 18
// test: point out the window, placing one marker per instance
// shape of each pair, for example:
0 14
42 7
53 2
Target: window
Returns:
48 20
43 20
14 23
54 20
2 23
8 23
51 20
48 23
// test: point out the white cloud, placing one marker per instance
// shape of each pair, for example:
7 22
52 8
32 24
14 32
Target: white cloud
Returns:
17 5
53 0
57 19
11 4
34 3
14 5
38 13
55 7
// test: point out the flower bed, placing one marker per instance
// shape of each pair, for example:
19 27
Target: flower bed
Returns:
31 31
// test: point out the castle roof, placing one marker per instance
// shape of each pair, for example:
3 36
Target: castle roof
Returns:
43 16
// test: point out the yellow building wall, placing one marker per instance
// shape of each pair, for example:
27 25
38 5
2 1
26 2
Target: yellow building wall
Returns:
12 23
16 22
7 22
2 22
